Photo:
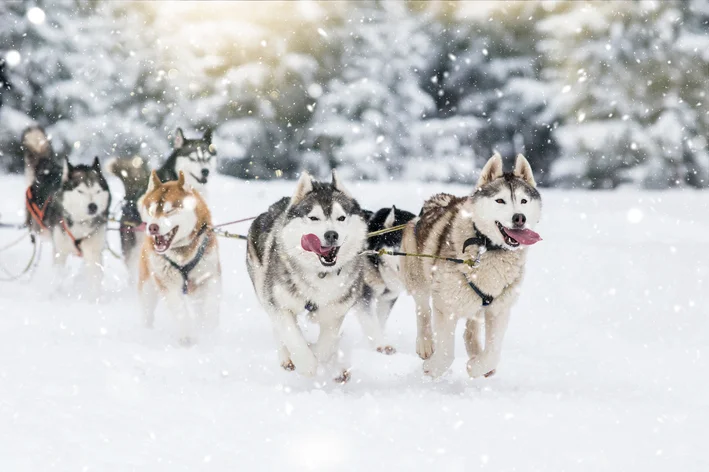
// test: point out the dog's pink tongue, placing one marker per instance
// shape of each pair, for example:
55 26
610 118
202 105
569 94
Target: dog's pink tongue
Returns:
311 243
524 236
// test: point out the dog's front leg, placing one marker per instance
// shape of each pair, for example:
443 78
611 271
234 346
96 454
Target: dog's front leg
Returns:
496 320
58 262
424 334
177 305
290 336
444 334
330 324
93 251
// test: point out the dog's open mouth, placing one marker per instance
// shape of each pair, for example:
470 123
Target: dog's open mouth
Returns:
515 237
329 259
202 180
161 242
327 254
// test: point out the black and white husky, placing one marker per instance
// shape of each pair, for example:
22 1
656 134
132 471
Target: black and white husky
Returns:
75 215
304 255
382 280
196 158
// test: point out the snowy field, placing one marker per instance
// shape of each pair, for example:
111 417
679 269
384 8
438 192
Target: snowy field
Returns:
604 366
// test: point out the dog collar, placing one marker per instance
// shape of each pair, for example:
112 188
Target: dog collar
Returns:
480 240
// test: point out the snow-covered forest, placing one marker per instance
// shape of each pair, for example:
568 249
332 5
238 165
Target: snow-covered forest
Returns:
597 94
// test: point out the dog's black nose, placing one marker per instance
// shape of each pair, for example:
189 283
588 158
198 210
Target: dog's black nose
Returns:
205 172
518 220
331 238
93 208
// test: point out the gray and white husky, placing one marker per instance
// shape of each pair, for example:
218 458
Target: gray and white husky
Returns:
196 158
76 216
492 227
304 255
382 279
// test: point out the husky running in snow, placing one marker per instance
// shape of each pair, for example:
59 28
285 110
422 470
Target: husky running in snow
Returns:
180 258
492 226
382 279
196 158
71 204
304 255
134 173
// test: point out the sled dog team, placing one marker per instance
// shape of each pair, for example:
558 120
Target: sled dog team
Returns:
316 252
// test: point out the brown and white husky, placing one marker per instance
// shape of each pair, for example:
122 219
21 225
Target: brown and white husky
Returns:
180 258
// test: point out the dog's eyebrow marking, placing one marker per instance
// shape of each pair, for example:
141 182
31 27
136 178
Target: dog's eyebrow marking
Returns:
152 208
167 206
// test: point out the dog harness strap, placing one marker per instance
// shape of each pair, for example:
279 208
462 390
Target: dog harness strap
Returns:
187 268
34 209
487 299
77 242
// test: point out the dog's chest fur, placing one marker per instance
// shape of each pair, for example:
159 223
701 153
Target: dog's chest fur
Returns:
444 234
168 278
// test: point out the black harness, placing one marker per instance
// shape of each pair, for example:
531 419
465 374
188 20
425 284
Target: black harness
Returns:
187 268
481 240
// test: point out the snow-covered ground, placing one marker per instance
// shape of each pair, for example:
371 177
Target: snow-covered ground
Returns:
604 367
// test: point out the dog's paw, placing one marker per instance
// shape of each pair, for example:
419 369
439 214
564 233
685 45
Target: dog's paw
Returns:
424 347
388 350
480 367
288 365
344 377
435 366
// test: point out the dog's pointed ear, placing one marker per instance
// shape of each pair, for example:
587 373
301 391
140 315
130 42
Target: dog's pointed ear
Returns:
179 139
491 171
181 179
304 187
66 170
207 137
153 183
391 218
97 164
337 184
524 171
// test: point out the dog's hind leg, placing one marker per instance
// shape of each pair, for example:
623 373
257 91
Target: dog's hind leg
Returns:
442 358
424 332
371 327
496 321
471 337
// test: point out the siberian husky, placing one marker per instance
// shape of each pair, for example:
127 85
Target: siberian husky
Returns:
75 215
43 171
134 173
196 158
304 255
180 258
492 226
382 279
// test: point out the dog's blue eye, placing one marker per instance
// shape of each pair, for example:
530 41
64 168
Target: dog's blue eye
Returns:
342 218
501 201
524 200
314 218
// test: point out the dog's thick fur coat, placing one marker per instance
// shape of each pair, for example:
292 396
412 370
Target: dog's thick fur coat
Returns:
445 224
180 258
289 281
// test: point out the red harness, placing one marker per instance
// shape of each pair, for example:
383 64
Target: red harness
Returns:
38 216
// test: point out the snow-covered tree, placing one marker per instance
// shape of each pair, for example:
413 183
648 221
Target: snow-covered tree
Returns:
364 120
631 81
